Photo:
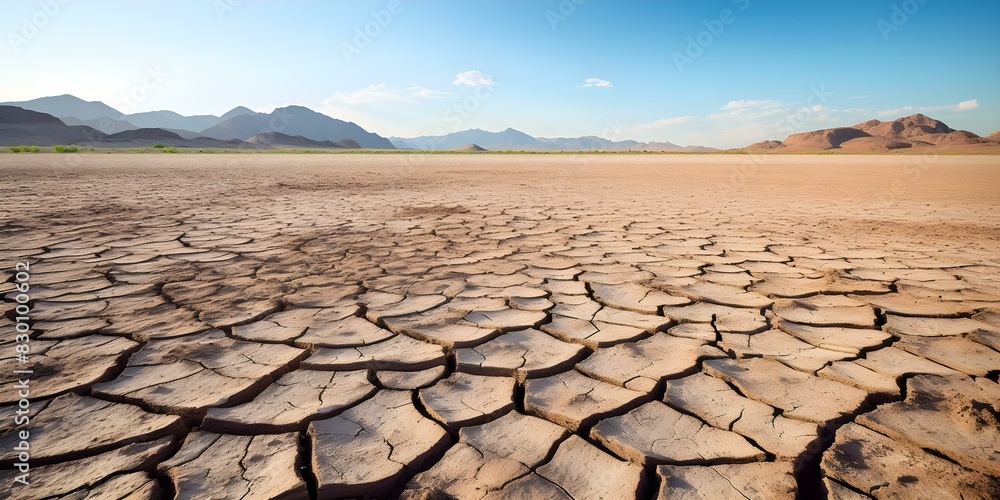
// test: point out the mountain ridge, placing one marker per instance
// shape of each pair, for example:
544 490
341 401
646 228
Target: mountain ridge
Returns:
511 139
81 121
20 126
109 120
296 121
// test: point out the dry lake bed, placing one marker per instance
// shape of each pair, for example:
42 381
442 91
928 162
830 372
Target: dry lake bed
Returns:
500 326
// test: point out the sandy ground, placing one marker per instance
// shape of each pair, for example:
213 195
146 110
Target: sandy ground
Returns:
521 326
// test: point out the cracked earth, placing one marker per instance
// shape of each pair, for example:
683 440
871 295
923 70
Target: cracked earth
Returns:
502 326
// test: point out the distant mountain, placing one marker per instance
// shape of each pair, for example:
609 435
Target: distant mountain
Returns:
237 111
296 120
515 140
278 139
914 131
587 143
110 126
20 126
186 134
146 137
67 105
170 119
505 140
106 125
108 120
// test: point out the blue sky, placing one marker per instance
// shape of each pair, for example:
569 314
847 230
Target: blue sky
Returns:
718 73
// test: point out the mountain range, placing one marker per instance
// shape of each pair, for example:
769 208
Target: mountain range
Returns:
514 140
66 119
240 123
281 127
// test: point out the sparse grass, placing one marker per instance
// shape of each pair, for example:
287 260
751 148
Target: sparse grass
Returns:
23 149
65 149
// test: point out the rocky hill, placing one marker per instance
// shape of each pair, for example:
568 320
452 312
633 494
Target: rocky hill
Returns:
914 131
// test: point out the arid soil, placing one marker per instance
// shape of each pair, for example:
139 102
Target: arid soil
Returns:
503 326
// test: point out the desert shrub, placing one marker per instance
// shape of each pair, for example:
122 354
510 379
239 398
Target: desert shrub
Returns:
158 146
170 150
14 149
65 149
29 149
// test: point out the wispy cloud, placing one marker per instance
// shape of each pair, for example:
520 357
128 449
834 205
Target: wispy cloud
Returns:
426 93
737 123
379 92
473 78
596 82
742 122
383 93
665 122
744 104
967 105
896 112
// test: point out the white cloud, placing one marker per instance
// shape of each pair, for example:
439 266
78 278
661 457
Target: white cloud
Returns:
896 112
738 123
909 110
967 105
426 93
750 104
379 92
473 78
596 82
664 122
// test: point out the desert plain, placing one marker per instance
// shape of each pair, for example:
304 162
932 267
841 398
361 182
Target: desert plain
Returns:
504 326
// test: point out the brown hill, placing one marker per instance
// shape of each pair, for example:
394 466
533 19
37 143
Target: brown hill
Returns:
995 136
766 145
824 139
471 148
911 132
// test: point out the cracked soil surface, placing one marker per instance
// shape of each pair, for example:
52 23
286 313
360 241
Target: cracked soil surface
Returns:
504 326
